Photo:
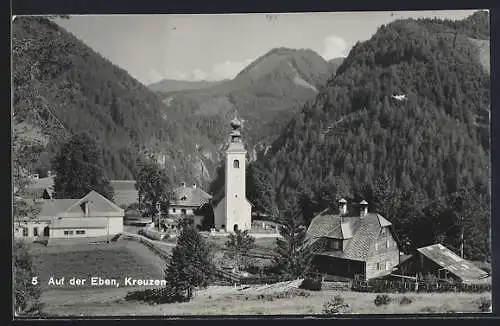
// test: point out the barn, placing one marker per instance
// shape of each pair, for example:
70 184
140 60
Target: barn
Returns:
444 264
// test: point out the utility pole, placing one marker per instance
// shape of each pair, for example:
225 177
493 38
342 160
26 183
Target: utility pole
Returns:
158 208
107 235
461 235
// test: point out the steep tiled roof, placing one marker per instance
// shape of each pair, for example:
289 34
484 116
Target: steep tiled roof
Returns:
124 192
191 196
52 208
55 207
358 232
100 204
456 265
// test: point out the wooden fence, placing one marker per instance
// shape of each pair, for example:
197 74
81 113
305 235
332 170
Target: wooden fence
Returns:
383 286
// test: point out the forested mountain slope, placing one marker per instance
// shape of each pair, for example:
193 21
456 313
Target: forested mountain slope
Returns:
62 87
265 94
407 113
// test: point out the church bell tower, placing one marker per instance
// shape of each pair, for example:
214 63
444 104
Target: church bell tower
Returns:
234 211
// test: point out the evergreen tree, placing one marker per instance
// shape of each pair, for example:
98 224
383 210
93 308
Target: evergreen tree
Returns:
191 265
79 169
25 283
259 188
292 259
239 244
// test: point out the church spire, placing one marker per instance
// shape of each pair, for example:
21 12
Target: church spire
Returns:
236 126
235 141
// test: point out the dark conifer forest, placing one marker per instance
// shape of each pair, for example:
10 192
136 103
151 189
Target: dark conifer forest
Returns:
62 87
404 124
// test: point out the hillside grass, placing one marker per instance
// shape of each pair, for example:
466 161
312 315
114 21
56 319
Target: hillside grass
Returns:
116 260
224 301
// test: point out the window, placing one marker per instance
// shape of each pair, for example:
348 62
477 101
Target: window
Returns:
376 246
387 243
173 210
66 232
236 164
335 244
35 232
25 232
183 198
378 266
80 231
387 265
183 211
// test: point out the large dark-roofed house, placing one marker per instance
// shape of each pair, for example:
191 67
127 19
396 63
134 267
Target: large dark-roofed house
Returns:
346 245
444 264
187 201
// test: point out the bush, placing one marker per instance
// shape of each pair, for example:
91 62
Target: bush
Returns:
335 306
313 284
484 304
405 300
382 299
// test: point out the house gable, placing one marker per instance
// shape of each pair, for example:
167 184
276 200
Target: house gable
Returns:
98 206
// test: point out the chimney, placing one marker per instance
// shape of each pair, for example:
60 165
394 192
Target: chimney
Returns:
183 184
342 206
194 185
364 208
86 208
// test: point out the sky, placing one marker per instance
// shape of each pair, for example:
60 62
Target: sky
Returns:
216 47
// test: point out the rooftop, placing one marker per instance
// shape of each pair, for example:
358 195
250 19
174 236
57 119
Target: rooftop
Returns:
191 196
358 232
453 263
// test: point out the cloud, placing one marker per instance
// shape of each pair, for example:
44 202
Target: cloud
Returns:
334 47
228 69
223 70
198 74
154 76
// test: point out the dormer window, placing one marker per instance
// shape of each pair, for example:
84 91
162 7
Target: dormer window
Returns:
236 164
335 244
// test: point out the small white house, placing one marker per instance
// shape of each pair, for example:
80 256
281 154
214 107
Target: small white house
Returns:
92 216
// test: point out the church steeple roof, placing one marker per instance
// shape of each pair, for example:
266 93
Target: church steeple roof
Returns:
235 142
236 123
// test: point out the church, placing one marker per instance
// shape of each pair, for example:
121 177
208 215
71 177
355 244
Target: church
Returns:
234 211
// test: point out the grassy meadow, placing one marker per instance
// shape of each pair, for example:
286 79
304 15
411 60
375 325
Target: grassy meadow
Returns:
224 301
115 260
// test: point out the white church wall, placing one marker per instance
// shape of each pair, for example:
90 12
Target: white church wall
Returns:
220 214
